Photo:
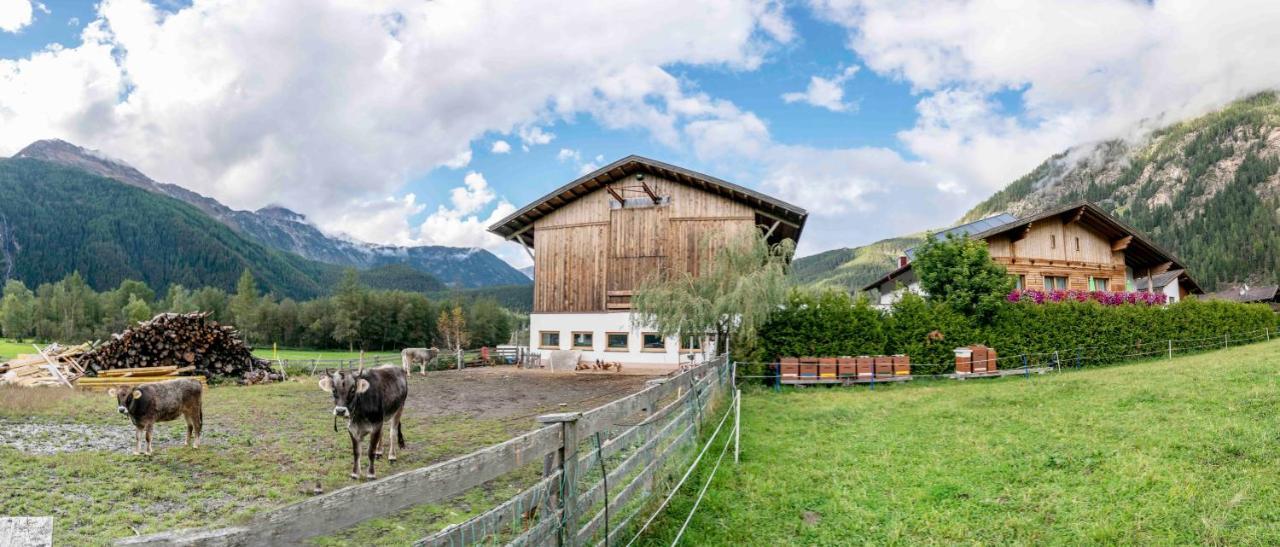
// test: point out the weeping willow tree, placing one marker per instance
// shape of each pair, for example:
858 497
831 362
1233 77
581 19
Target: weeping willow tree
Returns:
742 283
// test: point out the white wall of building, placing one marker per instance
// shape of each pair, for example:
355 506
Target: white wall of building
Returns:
599 325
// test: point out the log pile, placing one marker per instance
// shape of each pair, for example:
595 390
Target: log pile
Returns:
108 379
52 366
180 340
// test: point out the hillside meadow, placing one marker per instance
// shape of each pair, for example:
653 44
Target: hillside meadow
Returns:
1178 451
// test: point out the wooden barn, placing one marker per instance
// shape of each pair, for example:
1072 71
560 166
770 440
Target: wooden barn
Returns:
595 239
1076 247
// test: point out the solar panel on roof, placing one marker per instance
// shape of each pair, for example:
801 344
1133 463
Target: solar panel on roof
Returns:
975 227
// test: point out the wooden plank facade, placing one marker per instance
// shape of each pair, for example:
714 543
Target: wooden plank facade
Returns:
593 248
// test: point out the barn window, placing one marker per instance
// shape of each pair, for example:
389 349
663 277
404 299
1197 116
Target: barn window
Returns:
1101 284
1077 244
549 339
617 341
1019 281
1052 282
582 340
652 341
691 343
1053 241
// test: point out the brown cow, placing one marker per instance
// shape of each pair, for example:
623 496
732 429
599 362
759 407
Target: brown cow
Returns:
369 398
147 404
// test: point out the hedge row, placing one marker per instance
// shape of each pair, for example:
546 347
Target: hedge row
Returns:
832 324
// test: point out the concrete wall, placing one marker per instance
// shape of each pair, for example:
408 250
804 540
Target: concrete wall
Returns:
599 325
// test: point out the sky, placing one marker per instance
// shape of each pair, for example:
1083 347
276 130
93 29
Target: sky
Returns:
412 122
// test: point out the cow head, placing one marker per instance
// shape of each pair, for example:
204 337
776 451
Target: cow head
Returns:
344 386
125 396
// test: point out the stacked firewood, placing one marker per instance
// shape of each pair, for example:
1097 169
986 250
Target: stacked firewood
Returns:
181 340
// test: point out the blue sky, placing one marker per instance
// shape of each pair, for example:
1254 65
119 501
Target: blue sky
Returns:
380 120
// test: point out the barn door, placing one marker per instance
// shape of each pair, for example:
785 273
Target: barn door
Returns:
638 248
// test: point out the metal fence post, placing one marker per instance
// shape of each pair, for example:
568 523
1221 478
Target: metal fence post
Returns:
737 422
1224 341
568 456
1025 368
1171 349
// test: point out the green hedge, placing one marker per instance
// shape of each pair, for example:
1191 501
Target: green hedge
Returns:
831 324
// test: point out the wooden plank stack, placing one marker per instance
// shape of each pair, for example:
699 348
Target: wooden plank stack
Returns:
108 379
180 340
51 366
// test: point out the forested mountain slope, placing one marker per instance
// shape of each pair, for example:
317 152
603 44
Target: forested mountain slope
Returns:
282 229
1207 189
852 268
56 219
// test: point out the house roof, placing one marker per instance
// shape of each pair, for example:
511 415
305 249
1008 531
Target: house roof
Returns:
1160 280
791 218
1246 293
1141 252
977 226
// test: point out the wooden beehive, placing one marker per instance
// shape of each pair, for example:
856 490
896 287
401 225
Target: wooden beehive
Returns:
827 368
847 367
964 361
991 360
808 367
884 366
789 368
901 365
866 367
979 358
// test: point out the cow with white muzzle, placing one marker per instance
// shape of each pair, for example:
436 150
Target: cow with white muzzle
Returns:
368 399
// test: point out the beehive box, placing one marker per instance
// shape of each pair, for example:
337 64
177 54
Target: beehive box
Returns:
790 368
866 367
979 358
884 366
827 368
964 361
847 367
901 365
808 367
992 361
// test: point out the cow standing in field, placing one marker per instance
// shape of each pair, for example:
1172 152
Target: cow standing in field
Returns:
369 398
147 404
420 356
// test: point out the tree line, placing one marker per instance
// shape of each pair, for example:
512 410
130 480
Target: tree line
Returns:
353 317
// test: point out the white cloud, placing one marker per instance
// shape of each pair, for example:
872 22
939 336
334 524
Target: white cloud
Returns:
73 22
500 147
15 14
825 93
380 220
592 165
1078 71
462 223
567 154
248 103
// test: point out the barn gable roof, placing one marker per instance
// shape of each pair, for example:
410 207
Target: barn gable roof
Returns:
790 218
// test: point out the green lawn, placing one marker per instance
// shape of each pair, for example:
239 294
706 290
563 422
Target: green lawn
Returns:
1183 451
304 354
10 348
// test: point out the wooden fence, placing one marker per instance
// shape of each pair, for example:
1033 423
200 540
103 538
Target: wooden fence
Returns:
600 470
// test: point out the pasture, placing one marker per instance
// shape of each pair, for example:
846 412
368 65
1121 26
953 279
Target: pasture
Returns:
68 454
1179 451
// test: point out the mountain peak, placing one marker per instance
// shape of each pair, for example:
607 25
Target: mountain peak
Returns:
281 212
94 161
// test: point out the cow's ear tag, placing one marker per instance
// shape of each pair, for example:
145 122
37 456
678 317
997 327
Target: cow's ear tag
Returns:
112 392
326 384
137 394
362 386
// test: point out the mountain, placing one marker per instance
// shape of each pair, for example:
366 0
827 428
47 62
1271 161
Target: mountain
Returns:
527 271
56 219
852 268
285 230
1207 189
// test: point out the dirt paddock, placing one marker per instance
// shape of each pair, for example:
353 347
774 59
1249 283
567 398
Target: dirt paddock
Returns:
507 392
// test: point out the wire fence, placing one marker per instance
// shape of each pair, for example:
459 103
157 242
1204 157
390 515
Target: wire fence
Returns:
444 360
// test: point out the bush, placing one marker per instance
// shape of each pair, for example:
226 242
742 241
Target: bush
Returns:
828 324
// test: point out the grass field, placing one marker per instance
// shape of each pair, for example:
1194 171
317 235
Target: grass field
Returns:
1182 451
303 354
265 446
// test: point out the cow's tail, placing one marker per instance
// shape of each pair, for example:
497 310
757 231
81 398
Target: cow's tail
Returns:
399 434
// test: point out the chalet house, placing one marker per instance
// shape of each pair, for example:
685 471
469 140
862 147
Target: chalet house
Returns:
1077 247
594 240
